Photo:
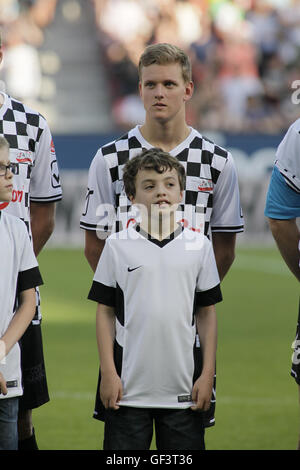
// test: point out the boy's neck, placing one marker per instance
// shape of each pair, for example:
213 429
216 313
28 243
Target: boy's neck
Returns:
166 136
161 227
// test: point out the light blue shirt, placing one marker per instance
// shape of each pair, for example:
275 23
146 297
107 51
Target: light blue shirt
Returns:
282 201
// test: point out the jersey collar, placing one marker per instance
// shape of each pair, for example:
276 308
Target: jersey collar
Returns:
159 243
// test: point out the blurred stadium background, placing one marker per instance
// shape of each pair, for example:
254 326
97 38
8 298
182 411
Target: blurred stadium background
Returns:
76 62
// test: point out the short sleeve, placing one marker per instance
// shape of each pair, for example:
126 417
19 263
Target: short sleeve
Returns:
208 290
99 210
29 275
45 180
104 284
227 213
282 202
287 156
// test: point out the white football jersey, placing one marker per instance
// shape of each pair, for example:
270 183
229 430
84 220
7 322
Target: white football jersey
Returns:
18 271
288 156
152 286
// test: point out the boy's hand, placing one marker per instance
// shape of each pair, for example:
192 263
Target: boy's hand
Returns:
3 388
111 390
201 394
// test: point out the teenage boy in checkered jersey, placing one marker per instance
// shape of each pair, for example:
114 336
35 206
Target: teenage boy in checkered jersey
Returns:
165 86
36 190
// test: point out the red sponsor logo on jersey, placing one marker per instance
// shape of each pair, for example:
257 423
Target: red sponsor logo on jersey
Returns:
130 221
23 157
186 224
205 185
17 196
52 148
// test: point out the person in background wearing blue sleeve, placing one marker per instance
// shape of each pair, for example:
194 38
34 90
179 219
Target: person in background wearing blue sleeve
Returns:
282 209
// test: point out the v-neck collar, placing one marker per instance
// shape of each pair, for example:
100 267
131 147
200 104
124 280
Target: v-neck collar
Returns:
160 243
176 150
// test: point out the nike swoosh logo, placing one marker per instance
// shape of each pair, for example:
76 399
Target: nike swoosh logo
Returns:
133 269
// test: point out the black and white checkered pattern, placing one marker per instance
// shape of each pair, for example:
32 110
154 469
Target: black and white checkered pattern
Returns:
202 159
31 147
21 126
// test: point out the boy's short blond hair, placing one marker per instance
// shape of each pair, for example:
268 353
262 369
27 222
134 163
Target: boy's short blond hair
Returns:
163 54
152 159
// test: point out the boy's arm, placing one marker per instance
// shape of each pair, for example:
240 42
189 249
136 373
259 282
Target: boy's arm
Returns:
110 386
224 250
42 217
19 322
93 248
287 235
206 321
3 387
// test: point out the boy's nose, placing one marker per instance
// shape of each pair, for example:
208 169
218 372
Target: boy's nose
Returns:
158 91
161 191
9 173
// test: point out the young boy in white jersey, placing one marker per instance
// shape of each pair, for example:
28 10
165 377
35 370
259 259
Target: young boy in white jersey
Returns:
19 275
156 284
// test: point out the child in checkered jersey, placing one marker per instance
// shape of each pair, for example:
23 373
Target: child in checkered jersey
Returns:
19 274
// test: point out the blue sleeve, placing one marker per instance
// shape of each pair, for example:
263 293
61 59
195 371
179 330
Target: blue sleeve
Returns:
282 202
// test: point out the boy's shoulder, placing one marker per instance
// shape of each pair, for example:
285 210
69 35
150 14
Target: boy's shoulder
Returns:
13 221
129 233
114 149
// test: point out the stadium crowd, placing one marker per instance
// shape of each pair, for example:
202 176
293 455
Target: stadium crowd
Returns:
22 23
245 57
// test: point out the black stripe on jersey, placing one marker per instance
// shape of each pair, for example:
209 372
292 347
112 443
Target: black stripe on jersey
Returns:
88 226
103 294
208 297
237 228
29 279
46 199
110 296
291 184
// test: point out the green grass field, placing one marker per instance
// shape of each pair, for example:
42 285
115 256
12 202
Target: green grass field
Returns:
257 400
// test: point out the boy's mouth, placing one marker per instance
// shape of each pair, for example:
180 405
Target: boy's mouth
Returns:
162 203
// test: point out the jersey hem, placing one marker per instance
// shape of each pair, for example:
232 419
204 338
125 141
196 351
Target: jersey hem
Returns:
237 229
46 199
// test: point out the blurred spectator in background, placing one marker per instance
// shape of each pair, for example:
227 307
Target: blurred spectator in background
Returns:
245 57
22 23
